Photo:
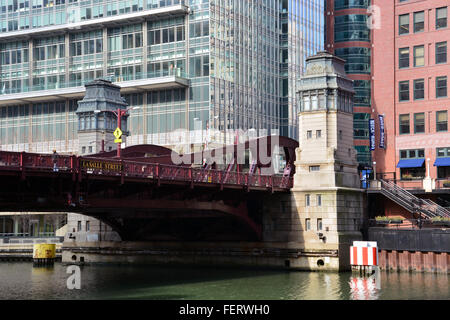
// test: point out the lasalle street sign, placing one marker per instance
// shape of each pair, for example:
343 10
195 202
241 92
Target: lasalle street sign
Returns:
101 165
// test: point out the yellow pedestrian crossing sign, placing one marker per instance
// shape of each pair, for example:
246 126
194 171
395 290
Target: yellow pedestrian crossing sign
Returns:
118 133
118 141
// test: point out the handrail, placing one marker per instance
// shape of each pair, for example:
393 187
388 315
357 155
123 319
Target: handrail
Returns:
428 207
440 211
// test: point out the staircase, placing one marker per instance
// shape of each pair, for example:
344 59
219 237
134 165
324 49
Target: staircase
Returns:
425 207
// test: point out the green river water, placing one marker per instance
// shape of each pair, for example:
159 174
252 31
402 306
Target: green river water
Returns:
20 280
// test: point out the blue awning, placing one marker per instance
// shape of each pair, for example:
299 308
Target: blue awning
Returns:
410 163
442 162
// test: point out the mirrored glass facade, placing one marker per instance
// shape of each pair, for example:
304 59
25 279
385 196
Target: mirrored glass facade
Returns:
197 69
349 37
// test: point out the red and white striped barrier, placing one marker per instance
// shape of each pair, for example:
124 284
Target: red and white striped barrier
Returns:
364 253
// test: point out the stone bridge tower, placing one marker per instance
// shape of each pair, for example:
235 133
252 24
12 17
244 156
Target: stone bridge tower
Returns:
96 118
326 190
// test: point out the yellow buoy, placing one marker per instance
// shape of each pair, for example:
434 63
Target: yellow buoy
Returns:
44 253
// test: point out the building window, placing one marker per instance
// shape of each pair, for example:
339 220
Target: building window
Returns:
419 21
306 104
441 121
90 149
307 200
419 56
314 168
412 154
404 90
419 89
318 133
403 58
88 226
441 52
309 134
319 224
83 149
443 152
441 87
403 22
319 200
79 226
443 172
412 173
307 224
361 125
404 124
419 122
441 18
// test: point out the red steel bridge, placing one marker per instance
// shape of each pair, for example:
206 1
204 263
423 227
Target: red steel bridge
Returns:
144 193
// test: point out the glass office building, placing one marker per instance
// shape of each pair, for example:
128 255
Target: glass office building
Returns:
198 69
348 36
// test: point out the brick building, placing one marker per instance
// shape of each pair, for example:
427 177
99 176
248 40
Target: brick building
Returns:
410 89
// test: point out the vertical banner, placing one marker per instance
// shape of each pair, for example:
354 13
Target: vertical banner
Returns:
372 134
382 136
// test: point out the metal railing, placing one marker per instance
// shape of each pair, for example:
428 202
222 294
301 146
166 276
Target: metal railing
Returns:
443 183
80 83
413 184
21 161
412 203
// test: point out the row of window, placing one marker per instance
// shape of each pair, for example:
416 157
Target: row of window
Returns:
357 59
419 55
79 228
419 122
308 224
166 35
347 4
309 134
351 27
54 13
443 172
118 39
116 42
419 21
419 89
308 200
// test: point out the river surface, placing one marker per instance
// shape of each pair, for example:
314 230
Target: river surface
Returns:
20 280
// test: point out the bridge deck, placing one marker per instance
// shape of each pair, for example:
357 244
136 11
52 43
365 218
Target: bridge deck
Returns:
101 168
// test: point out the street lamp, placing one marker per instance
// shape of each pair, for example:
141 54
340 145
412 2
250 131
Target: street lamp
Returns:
119 113
374 170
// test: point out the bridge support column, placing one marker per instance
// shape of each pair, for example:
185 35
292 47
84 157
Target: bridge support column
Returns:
330 203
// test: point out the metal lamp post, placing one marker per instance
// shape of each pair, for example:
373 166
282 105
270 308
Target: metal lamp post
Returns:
119 113
374 170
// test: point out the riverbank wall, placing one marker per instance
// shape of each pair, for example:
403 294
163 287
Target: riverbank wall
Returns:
251 254
21 248
413 250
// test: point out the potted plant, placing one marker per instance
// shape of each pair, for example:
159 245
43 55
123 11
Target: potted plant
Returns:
441 221
389 220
